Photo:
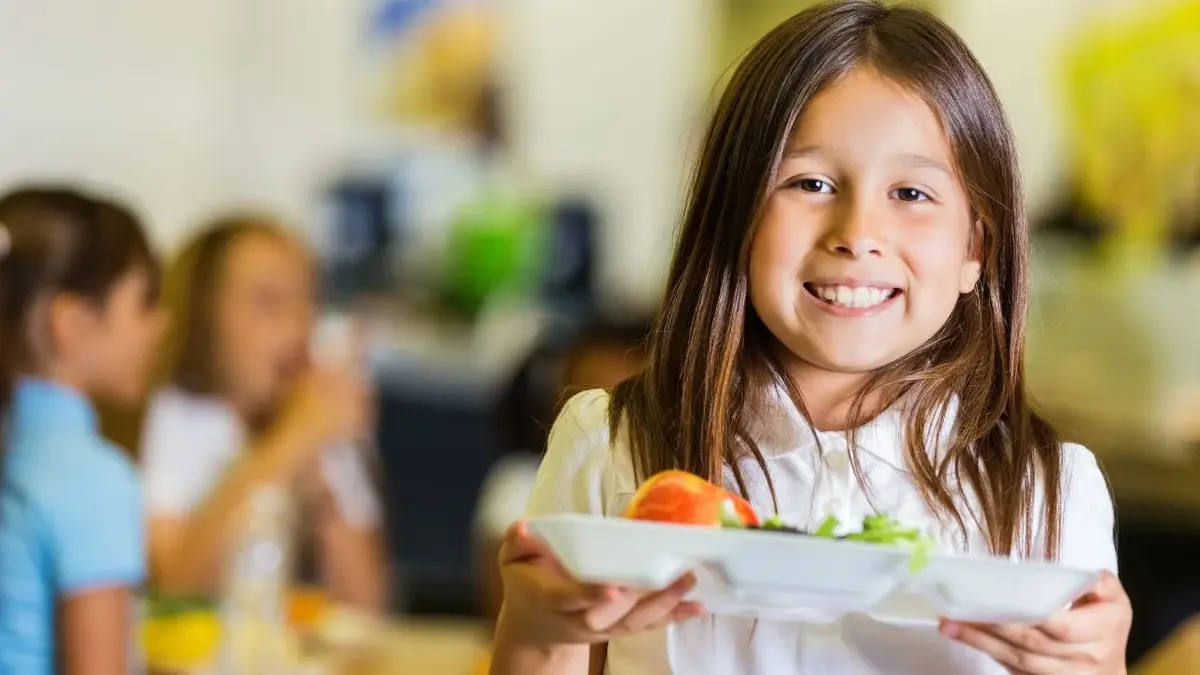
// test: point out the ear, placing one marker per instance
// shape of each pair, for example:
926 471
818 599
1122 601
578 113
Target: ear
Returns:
972 267
971 271
70 321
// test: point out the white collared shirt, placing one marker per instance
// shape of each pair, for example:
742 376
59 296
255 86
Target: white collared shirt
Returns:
585 471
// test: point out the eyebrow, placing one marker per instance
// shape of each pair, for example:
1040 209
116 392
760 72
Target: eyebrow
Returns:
805 151
917 161
906 159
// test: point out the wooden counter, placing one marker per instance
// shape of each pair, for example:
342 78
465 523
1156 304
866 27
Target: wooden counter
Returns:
418 647
1178 655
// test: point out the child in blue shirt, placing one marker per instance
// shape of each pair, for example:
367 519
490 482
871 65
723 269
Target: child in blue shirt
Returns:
78 320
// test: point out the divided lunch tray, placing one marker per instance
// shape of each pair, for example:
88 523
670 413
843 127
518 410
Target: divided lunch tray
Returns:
785 576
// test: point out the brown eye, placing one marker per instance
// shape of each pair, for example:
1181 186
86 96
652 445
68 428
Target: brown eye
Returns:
814 185
908 194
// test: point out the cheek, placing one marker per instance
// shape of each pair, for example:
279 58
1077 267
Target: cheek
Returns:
937 269
780 246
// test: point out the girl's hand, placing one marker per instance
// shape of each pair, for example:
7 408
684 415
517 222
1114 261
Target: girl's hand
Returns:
1088 639
331 405
548 608
314 490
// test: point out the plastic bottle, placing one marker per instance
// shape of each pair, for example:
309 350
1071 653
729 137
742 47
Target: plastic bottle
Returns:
256 582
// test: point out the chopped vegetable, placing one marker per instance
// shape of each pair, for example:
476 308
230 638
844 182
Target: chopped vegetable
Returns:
880 529
828 528
774 523
730 519
876 529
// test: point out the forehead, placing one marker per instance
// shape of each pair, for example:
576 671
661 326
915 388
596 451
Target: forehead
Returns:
257 257
869 116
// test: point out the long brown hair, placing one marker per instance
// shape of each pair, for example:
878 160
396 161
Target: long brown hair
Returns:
710 354
188 356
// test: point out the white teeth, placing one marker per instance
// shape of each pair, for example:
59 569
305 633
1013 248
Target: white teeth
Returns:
859 297
862 297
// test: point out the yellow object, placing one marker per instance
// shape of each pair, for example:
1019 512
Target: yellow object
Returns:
1133 94
181 641
437 73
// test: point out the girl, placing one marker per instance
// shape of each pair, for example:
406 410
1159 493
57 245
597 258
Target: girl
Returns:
842 333
242 407
78 319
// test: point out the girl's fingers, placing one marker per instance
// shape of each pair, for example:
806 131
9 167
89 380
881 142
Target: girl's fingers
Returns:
1093 622
568 597
645 610
603 616
1030 639
1007 654
520 546
658 607
684 611
1109 588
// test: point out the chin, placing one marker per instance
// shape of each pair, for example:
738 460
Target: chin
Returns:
847 361
850 366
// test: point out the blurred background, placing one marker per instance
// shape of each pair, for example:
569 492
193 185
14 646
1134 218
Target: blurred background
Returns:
496 183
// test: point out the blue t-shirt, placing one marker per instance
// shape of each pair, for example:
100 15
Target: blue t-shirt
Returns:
70 519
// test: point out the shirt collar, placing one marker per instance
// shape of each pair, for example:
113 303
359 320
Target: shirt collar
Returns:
39 401
780 428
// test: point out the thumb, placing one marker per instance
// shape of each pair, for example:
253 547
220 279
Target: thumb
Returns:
521 546
1107 589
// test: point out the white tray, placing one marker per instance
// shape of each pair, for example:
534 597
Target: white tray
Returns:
793 577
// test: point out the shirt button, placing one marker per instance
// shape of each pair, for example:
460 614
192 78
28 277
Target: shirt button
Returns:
830 628
837 460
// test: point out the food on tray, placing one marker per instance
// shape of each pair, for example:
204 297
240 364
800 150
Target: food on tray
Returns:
687 499
683 498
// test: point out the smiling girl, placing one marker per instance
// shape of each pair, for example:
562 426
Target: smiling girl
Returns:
842 334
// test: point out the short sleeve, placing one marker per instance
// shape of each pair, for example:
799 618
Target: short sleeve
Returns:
1088 520
186 448
582 471
96 529
349 479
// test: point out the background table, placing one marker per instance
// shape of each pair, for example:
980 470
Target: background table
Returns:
450 647
1178 655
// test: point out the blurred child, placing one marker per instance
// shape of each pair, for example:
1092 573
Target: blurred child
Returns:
78 319
242 406
602 356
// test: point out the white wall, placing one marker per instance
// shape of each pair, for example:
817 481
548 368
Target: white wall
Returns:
127 93
185 106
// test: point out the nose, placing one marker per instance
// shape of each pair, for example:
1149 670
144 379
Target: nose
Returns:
854 231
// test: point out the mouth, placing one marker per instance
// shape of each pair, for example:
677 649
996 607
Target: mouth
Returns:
851 297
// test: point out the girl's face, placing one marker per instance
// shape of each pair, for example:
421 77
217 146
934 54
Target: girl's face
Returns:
263 315
113 345
865 242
